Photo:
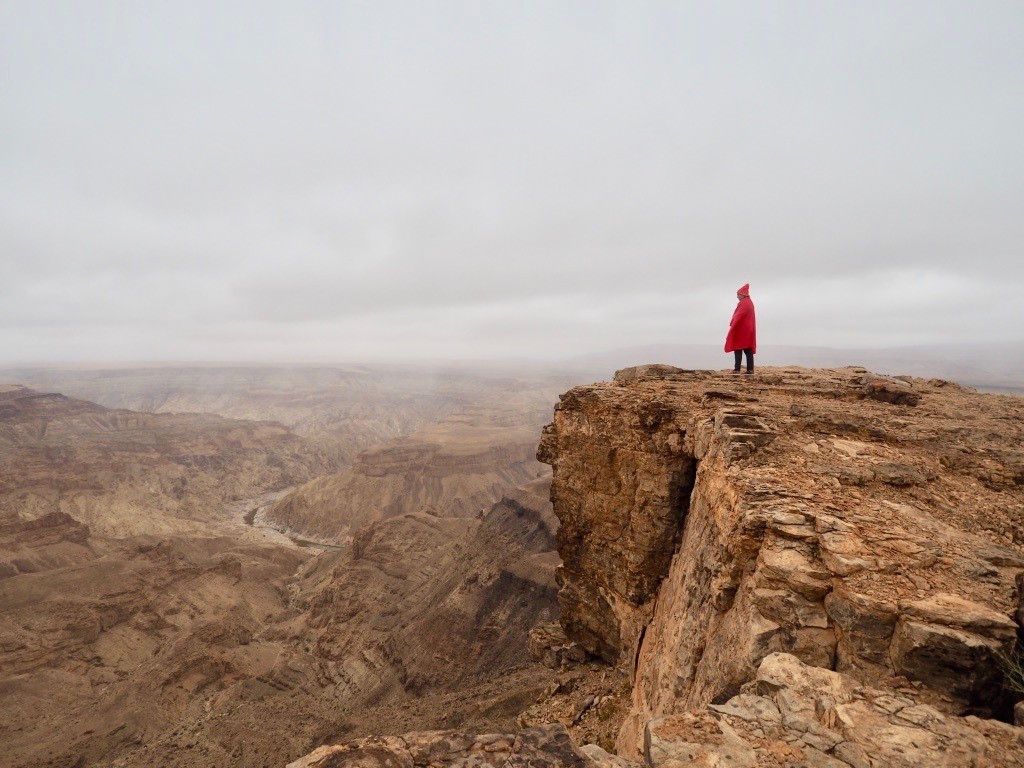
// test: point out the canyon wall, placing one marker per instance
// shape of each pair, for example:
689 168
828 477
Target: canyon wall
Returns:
339 409
124 473
143 622
215 651
866 526
455 468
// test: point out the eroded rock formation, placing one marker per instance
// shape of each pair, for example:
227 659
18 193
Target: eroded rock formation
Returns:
875 535
142 622
435 602
456 468
798 715
124 473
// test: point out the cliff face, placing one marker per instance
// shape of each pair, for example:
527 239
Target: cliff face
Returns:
863 525
622 491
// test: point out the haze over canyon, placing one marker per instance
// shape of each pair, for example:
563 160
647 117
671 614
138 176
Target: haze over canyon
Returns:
163 601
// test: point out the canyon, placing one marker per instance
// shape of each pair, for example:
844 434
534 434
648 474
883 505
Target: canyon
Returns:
143 621
453 468
800 568
126 473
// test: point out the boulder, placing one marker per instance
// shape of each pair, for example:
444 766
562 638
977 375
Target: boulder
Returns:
796 715
549 645
889 390
866 624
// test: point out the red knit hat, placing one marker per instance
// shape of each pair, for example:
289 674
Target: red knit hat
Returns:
745 290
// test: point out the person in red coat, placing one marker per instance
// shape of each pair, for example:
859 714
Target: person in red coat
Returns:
742 338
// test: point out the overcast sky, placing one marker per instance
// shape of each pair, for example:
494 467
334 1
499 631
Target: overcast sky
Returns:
341 180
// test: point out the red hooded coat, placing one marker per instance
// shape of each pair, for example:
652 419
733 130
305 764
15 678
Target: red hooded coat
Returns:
742 327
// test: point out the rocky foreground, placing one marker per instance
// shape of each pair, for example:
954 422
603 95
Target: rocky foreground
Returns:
801 568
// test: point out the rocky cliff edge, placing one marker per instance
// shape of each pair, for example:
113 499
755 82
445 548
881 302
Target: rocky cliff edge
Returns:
863 525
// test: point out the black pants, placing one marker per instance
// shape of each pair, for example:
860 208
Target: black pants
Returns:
739 359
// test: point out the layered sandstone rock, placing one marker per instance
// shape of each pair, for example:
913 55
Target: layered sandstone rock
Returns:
623 485
799 715
860 524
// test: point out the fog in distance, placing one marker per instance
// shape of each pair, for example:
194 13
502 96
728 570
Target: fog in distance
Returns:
392 181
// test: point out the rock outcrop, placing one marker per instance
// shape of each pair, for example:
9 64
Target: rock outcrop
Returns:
866 526
798 715
51 541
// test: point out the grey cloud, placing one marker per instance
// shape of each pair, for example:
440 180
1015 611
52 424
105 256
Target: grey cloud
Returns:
342 178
